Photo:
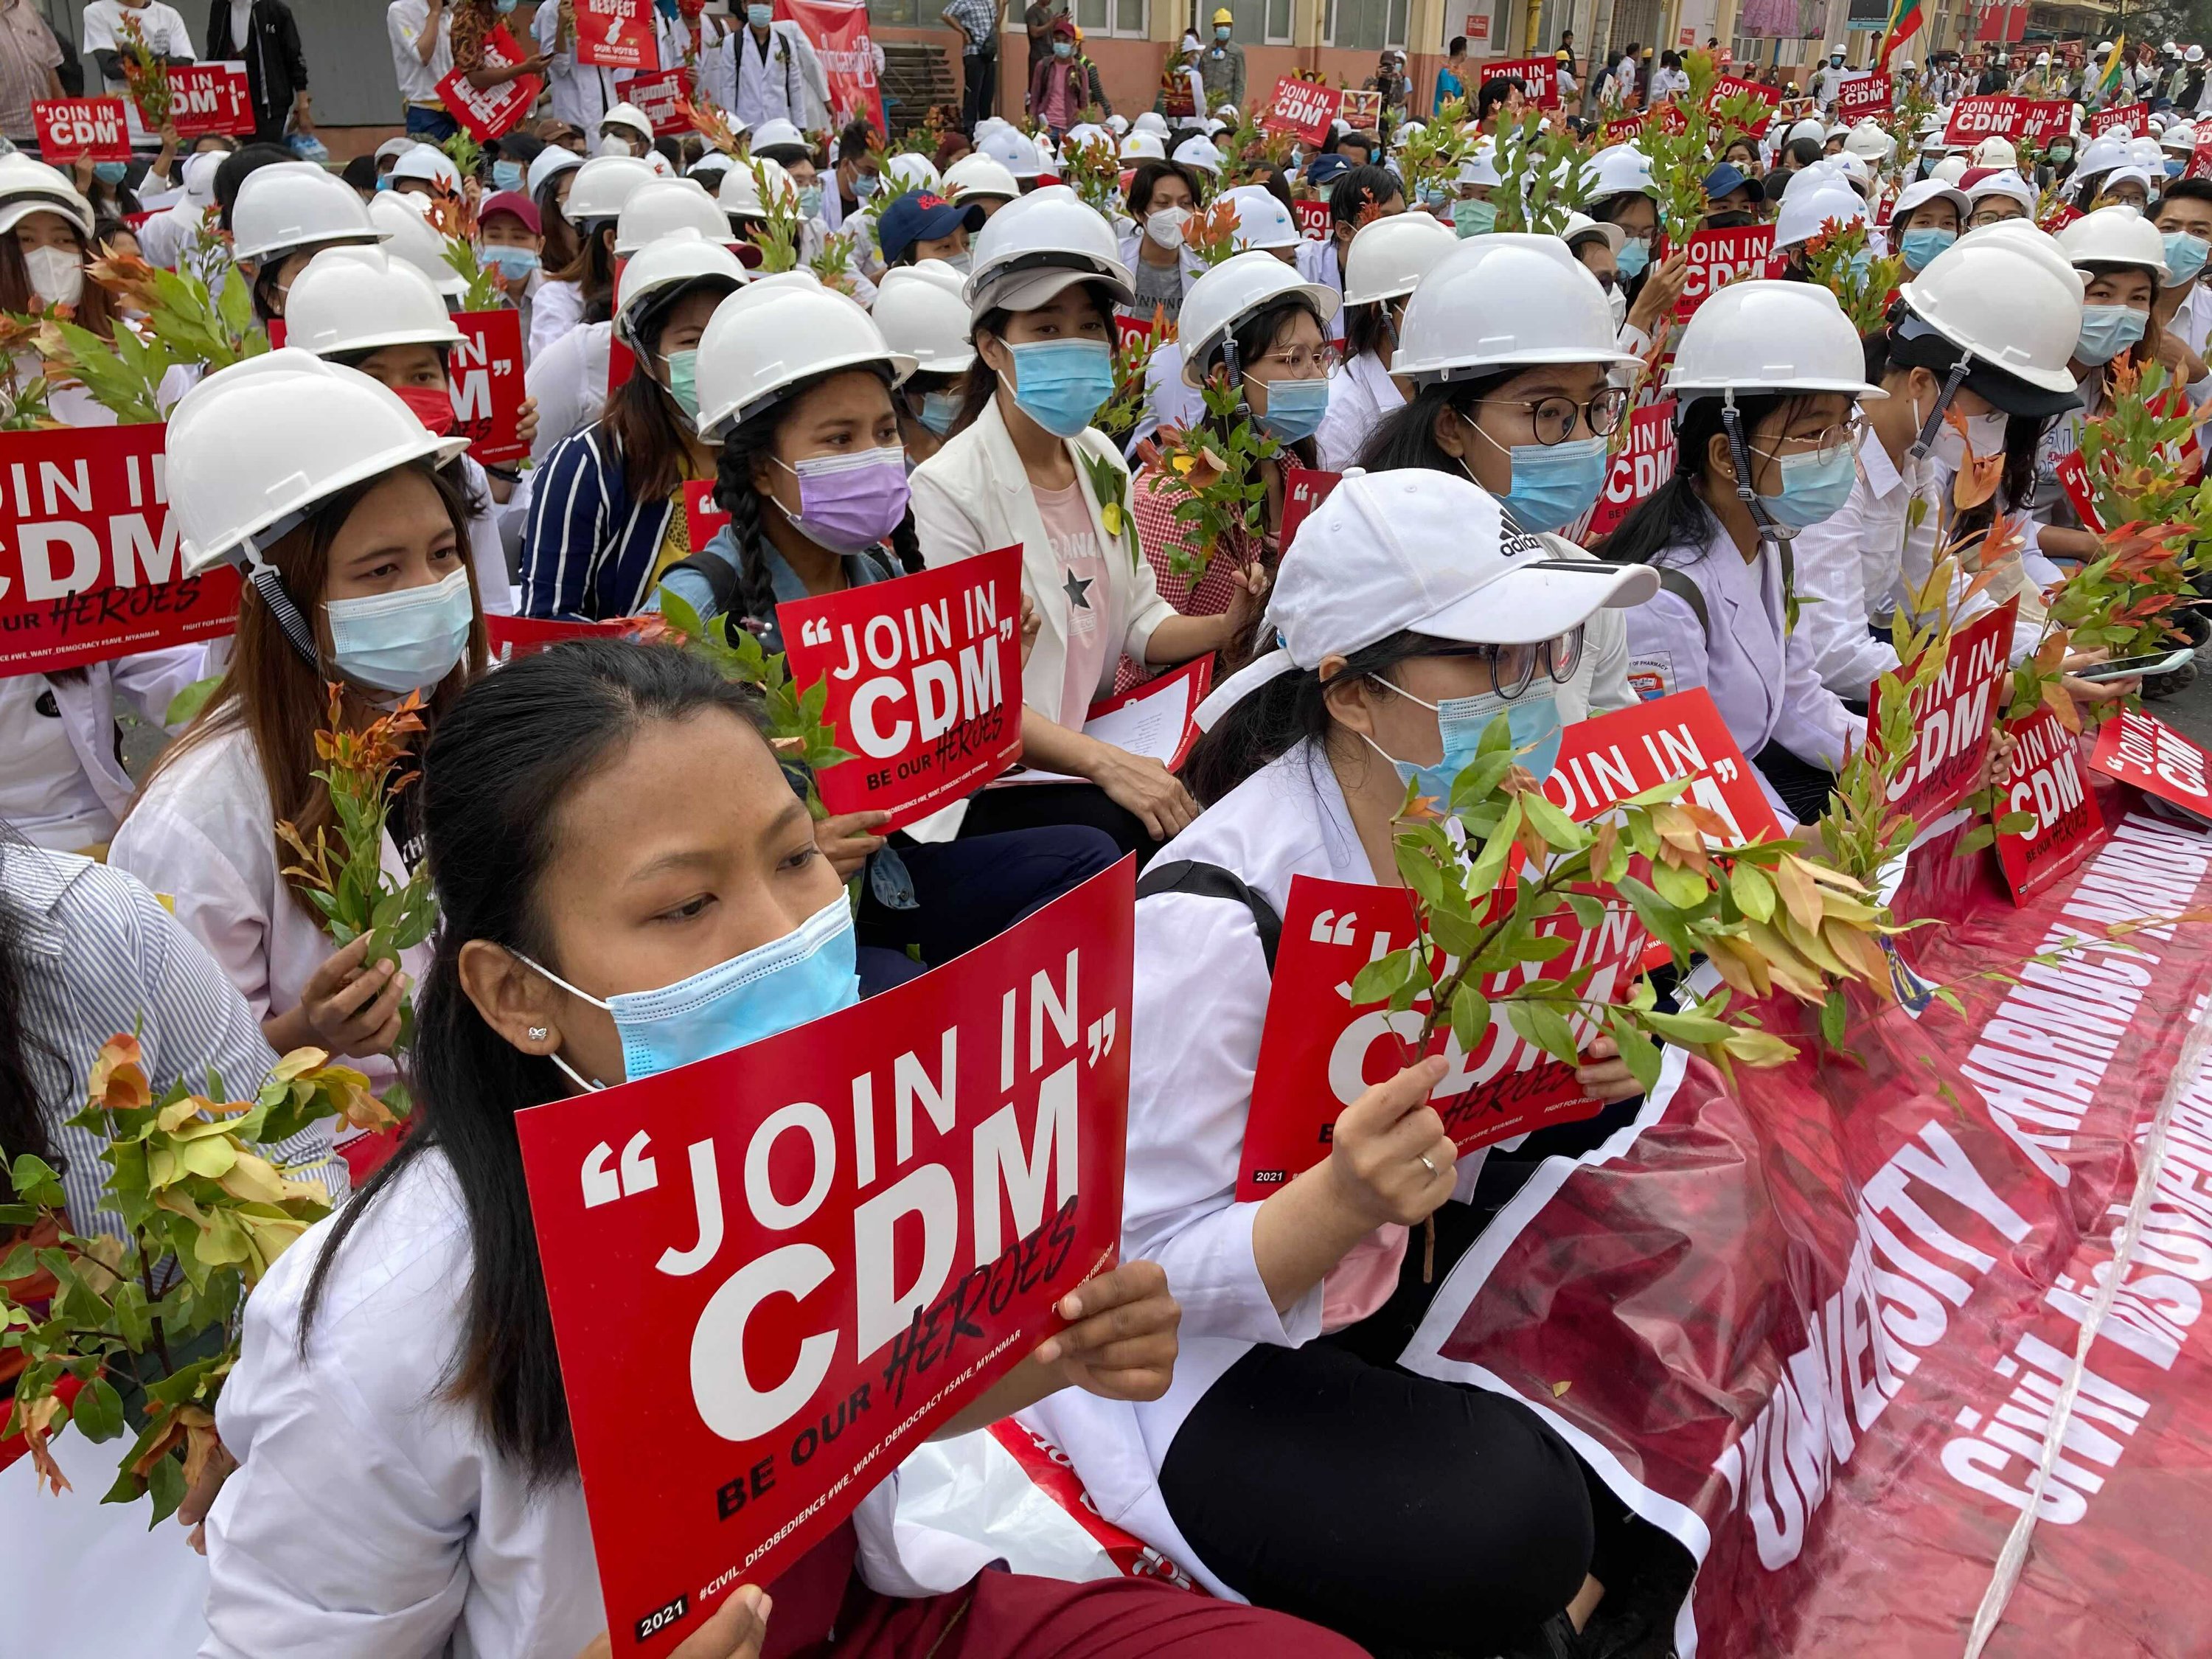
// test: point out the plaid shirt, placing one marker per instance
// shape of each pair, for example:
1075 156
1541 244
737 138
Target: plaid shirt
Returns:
27 50
978 21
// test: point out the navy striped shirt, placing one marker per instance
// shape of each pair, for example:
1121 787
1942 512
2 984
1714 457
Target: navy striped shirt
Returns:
588 550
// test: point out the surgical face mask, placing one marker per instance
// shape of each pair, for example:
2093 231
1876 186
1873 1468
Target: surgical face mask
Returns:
940 410
788 983
1634 255
2173 166
384 181
848 503
962 262
403 642
2184 254
760 16
1813 488
809 200
864 186
1922 243
2108 330
683 382
1532 718
1554 484
57 274
504 6
1428 196
1061 383
1221 32
1294 409
1165 227
1063 48
110 172
432 406
1324 192
507 175
1471 218
613 144
1984 435
513 262
2060 154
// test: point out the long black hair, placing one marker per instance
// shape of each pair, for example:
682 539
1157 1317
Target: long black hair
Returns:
1407 436
2023 434
1253 339
1676 513
749 444
504 758
22 1125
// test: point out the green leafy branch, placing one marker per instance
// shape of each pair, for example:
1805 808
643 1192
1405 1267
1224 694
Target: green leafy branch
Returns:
794 716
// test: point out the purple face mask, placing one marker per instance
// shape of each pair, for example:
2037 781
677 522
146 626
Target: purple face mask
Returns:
847 503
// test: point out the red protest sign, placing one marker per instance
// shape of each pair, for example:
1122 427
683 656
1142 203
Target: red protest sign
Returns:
1952 719
762 1303
1864 98
510 637
2046 783
661 95
2199 160
483 377
81 130
1639 466
2072 475
617 34
924 682
1986 116
89 563
2132 120
1726 86
1128 328
1305 108
1305 487
838 31
2143 749
1717 258
2042 119
1541 76
489 112
206 99
701 517
1605 760
1669 115
1312 217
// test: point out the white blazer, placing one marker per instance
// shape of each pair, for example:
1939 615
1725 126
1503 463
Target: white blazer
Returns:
569 380
205 835
556 307
1360 393
67 812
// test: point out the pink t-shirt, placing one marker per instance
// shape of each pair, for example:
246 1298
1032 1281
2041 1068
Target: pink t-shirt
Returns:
1082 598
1362 1280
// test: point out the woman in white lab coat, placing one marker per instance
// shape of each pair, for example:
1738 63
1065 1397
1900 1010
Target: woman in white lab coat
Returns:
1766 380
1291 1463
1384 262
407 1480
326 489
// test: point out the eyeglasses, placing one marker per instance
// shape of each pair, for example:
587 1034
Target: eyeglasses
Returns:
1513 667
1826 444
1982 221
1312 365
1554 417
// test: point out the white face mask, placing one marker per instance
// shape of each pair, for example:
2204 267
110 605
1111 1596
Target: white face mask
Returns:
57 274
1985 434
1616 299
1165 227
614 144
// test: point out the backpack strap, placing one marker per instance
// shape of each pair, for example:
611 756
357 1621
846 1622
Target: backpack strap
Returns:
1212 881
1677 583
720 574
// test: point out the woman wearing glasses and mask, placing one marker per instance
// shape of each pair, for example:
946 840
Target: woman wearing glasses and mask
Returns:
1766 382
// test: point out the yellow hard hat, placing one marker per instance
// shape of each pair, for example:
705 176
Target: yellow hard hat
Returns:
1223 16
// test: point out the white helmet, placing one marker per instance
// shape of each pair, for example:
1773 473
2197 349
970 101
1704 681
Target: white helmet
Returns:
668 204
1869 142
1580 227
2009 295
1117 124
1150 121
1761 335
681 257
2181 136
254 445
922 315
1262 222
2101 154
1950 169
1010 151
778 134
1479 166
1200 152
1388 257
2194 55
1808 128
289 205
404 221
911 172
1408 130
604 186
361 299
2116 235
2007 184
740 195
1994 151
427 164
763 342
2146 152
976 174
1233 290
550 163
1504 300
629 115
1143 146
1804 215
1618 170
27 186
1049 233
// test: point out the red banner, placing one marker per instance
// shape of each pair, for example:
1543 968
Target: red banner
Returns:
2140 749
1669 115
617 34
2047 783
1541 76
1312 217
88 562
885 1256
2072 475
483 377
1952 718
1717 258
2199 160
660 96
206 99
1305 487
2131 120
838 30
1303 108
701 517
1866 98
81 130
2002 22
1812 1321
924 678
1639 466
2046 118
510 637
1735 86
2034 120
489 112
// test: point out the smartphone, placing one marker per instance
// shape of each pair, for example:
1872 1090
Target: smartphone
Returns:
2129 667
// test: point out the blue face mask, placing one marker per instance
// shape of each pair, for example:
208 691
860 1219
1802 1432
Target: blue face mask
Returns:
513 262
384 181
1063 48
864 186
1555 484
809 200
1428 195
2184 255
1533 718
2106 331
2173 166
940 410
1471 218
1294 409
1631 259
760 16
1221 32
1860 263
110 172
1061 383
507 175
1921 245
403 642
1813 488
804 976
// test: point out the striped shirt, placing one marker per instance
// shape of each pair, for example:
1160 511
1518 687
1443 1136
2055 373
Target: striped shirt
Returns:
588 551
103 956
978 21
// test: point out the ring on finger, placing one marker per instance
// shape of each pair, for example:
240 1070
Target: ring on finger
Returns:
1427 1165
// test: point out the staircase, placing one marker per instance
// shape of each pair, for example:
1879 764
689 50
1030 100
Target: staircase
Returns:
916 76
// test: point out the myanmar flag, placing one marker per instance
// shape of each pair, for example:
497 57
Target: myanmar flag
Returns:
1905 18
2108 77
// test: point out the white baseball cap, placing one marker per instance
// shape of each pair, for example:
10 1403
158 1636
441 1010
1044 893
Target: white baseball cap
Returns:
1421 551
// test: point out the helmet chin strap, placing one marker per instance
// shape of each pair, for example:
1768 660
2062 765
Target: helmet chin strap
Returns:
262 577
1770 528
1934 423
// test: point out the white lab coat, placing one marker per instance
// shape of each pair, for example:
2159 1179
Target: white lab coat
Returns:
570 384
1360 393
580 92
1318 262
556 307
783 80
370 1516
1848 570
1202 986
61 785
714 74
1169 401
204 835
487 553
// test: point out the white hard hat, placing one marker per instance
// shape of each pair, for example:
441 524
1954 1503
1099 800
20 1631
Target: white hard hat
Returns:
1929 190
1038 244
977 175
1141 146
2194 55
252 446
289 205
1808 128
1232 291
1803 216
740 194
1117 124
1837 130
2114 235
1085 133
1994 151
1504 300
1150 121
1388 257
2146 152
404 221
765 340
429 164
661 166
710 168
677 260
2007 184
2009 296
921 314
1262 222
361 299
1906 66
1617 170
629 115
1199 152
1760 335
396 146
1950 169
777 133
2181 136
1010 151
550 162
913 172
27 186
1479 166
604 186
2105 151
1854 169
1868 140
1408 129
667 204
2146 177
1581 229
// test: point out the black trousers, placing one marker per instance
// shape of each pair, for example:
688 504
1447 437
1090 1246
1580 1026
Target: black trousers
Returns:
1032 806
980 69
1803 786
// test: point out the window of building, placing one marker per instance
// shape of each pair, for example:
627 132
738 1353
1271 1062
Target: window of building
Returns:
1127 18
896 13
1259 23
1367 25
